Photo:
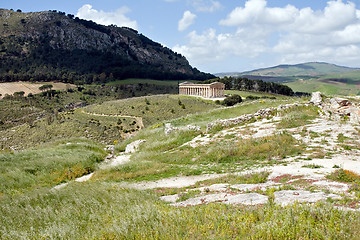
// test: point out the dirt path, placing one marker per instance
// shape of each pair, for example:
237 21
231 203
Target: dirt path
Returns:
138 119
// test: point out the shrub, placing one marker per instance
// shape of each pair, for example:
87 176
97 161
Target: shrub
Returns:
232 100
251 97
343 175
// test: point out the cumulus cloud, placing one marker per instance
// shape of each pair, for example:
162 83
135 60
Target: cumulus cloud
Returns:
117 17
205 5
186 21
289 34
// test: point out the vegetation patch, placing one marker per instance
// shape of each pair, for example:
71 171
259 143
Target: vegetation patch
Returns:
48 166
277 146
298 116
118 213
312 166
343 175
154 109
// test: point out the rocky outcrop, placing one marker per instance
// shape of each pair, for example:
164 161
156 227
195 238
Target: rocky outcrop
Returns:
262 113
342 109
134 146
316 98
338 103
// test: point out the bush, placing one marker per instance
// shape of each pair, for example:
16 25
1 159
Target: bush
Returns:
251 97
232 100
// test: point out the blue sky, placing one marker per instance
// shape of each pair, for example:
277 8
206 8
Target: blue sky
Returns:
231 35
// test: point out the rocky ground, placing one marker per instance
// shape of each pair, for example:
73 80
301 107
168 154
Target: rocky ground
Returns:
301 178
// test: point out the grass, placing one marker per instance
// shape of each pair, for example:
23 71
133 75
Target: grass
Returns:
154 109
334 84
101 211
224 113
48 166
299 116
15 112
312 166
245 94
67 125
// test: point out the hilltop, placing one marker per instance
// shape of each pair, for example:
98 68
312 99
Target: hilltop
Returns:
302 69
54 46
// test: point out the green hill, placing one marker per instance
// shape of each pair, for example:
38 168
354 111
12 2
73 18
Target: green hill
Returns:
328 78
303 69
50 45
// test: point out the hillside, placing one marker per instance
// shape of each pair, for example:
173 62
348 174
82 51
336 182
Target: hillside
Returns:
50 45
283 163
303 69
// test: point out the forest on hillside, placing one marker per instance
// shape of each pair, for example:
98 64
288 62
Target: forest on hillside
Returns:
245 84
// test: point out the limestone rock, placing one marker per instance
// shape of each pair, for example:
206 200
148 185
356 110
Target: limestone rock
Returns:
134 146
354 115
316 98
337 103
202 200
247 199
286 197
169 129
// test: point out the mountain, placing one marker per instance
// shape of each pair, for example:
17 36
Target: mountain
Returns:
52 45
303 69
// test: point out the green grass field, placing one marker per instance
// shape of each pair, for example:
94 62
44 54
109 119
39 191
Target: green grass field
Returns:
333 84
244 94
48 166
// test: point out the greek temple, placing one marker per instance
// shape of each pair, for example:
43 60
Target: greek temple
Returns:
212 90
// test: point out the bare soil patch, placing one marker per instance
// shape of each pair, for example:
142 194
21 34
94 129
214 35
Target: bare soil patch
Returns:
12 87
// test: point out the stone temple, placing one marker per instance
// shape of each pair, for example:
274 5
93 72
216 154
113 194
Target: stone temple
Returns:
212 90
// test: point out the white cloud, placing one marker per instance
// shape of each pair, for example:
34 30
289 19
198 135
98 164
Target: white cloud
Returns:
117 17
336 15
288 34
205 5
209 46
187 20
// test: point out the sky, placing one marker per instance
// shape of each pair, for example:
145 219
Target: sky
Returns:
230 35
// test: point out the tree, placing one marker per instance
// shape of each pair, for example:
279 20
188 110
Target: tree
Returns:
19 94
232 100
46 87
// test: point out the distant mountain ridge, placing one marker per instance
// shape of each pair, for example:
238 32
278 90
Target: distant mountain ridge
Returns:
286 70
52 45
